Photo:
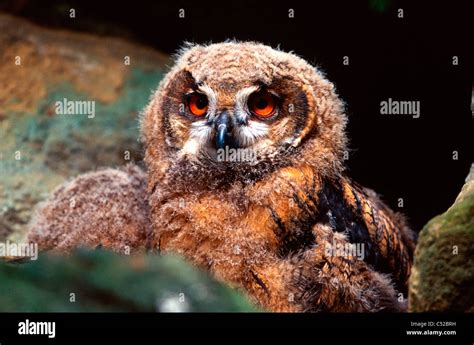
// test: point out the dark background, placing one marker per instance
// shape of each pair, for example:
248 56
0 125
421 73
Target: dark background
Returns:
403 59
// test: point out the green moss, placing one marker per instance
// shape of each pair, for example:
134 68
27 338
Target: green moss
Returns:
120 115
443 272
56 147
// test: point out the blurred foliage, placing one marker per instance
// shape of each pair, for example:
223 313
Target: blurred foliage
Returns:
103 281
380 5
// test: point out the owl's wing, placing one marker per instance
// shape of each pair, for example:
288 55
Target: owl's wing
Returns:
359 213
107 208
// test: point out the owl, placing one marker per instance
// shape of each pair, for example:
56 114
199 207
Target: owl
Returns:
244 176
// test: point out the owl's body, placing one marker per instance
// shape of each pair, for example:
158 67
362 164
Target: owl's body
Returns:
271 225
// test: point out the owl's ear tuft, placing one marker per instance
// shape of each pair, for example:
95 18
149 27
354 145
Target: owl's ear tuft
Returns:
183 49
187 51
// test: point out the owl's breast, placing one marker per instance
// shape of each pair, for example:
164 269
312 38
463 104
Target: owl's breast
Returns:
243 235
217 232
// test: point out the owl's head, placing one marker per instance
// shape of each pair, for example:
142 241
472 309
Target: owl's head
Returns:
243 107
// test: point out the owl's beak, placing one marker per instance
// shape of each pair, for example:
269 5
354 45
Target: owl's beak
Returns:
223 130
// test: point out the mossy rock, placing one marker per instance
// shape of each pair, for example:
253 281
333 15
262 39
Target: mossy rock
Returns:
102 281
442 278
40 148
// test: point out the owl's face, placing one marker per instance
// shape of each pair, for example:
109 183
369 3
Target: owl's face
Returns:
241 104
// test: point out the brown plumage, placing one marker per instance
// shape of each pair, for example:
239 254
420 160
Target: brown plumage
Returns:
89 211
267 224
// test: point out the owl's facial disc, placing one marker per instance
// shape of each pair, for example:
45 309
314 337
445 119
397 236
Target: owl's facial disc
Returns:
256 118
229 120
245 96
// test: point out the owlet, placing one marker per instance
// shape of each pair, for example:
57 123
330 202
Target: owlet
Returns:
244 176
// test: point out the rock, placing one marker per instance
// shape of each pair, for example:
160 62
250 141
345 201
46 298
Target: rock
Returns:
102 281
40 148
442 278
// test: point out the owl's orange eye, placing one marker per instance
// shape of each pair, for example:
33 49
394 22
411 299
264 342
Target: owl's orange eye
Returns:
262 104
197 104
